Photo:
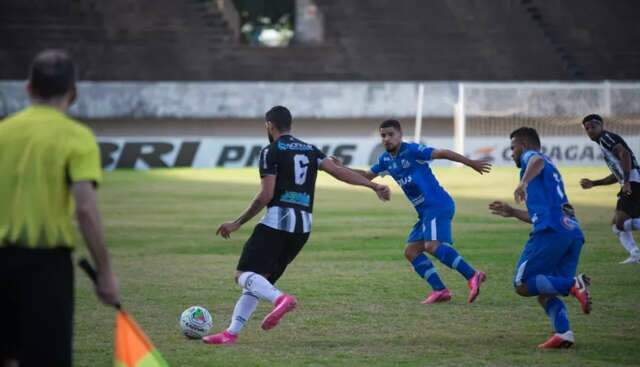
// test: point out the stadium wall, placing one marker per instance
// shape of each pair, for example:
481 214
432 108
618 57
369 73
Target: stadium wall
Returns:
220 124
199 152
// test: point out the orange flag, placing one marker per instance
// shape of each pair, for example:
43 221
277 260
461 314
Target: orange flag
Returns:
133 348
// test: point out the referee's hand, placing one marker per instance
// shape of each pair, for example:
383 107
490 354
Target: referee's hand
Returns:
107 288
227 228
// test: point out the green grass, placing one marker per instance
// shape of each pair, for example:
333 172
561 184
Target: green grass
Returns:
359 298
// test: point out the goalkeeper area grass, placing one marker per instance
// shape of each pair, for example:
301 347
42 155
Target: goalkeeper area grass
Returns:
359 299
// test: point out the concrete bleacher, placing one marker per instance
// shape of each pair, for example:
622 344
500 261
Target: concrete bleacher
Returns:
451 39
372 40
602 38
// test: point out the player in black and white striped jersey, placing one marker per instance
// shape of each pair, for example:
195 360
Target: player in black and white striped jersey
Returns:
288 171
624 170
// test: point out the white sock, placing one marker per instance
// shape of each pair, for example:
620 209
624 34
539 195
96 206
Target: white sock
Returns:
259 285
242 312
632 224
627 241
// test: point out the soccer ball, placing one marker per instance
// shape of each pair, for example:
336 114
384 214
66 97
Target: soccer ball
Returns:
195 322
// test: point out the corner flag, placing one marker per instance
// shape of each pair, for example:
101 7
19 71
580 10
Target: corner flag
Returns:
132 347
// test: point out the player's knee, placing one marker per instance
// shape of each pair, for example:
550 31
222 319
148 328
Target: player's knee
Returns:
521 289
411 253
619 218
542 300
431 246
237 276
620 224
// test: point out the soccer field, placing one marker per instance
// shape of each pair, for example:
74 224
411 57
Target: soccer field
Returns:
359 299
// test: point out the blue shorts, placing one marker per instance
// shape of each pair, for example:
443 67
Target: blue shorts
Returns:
433 225
549 252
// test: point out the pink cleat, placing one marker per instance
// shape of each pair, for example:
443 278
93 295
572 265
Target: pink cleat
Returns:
580 291
474 285
559 341
225 338
284 304
443 295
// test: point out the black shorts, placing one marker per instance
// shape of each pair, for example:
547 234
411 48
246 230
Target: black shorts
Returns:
269 251
630 204
36 306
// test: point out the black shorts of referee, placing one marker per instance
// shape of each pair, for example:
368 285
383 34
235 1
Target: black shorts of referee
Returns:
36 306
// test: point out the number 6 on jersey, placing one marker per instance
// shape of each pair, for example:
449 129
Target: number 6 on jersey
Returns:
300 167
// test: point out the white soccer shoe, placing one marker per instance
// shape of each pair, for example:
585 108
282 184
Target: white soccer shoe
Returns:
633 259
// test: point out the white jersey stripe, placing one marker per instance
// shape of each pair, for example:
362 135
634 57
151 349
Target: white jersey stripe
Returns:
292 220
306 227
607 142
520 273
284 219
434 230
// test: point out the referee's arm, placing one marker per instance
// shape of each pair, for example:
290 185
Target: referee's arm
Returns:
91 229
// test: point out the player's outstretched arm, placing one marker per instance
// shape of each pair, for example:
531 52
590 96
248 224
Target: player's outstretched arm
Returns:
347 175
479 165
534 167
505 210
262 198
586 183
367 174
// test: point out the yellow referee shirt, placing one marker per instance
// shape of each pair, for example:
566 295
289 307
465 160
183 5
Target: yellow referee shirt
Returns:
42 151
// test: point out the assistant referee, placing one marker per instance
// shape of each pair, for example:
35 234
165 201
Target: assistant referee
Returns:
49 169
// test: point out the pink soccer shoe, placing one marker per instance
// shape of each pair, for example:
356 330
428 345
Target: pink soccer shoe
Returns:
580 291
442 295
224 337
474 285
559 341
283 304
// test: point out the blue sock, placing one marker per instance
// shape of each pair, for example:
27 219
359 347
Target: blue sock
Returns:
557 313
549 285
424 267
450 257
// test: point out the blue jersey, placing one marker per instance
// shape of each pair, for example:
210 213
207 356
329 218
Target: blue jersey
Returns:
546 197
410 168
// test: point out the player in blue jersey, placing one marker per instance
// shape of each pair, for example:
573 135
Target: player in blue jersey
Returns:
408 164
548 263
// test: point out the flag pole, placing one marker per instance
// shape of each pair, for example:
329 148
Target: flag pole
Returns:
84 264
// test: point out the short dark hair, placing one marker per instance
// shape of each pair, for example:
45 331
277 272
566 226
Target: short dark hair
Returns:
280 117
592 117
391 123
527 134
52 74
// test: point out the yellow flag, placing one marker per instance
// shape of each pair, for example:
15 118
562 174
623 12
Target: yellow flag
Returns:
132 347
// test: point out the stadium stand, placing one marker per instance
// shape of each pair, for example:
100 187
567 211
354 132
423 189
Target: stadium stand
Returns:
372 40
